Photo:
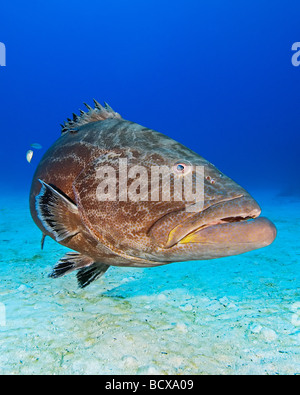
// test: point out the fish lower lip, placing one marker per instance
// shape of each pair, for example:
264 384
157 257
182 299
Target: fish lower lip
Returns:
239 236
239 208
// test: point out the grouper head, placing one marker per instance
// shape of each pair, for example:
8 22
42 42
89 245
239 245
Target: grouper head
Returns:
158 221
222 220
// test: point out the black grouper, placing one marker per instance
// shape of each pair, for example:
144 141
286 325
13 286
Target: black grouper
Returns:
141 231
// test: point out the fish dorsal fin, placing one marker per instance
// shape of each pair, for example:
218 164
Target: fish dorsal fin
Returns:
99 113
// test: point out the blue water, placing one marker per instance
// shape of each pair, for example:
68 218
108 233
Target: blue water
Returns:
216 76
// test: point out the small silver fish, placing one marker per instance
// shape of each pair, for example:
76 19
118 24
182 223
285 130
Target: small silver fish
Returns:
36 146
29 155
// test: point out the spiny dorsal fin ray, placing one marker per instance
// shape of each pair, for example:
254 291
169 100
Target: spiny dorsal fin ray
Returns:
99 113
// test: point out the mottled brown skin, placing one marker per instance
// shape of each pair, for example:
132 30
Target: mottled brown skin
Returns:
148 233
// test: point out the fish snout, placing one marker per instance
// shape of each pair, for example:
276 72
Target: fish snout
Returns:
231 209
240 207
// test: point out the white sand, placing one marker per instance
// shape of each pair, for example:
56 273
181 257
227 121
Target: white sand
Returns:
239 315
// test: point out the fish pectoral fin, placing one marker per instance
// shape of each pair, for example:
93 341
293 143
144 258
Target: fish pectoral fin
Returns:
89 270
89 274
58 214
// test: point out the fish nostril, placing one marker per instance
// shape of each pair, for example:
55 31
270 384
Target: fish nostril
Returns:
211 180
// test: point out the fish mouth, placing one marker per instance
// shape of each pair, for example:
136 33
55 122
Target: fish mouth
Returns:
229 222
240 236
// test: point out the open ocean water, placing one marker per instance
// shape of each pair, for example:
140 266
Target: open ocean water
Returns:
219 77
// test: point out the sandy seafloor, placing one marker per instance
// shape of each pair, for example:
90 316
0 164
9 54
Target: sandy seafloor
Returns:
236 315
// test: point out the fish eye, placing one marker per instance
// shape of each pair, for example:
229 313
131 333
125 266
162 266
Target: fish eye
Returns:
182 168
